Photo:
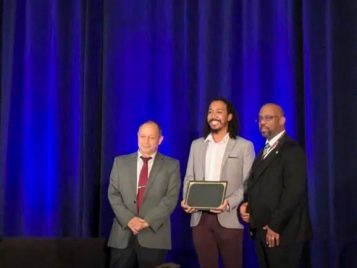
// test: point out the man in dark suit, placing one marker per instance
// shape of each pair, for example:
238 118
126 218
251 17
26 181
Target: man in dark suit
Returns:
143 192
277 197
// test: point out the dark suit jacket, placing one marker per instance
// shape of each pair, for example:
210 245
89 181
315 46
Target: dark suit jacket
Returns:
159 201
277 194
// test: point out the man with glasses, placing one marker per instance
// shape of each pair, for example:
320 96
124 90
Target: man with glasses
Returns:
276 206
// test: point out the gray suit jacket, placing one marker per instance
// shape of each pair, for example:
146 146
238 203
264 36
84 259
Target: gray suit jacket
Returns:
160 199
236 164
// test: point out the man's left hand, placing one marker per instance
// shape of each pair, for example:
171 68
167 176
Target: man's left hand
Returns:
272 238
221 208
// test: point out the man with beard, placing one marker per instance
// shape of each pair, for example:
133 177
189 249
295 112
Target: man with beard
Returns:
220 155
277 195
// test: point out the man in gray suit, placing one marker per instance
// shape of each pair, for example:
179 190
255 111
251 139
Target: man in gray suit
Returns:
220 155
143 192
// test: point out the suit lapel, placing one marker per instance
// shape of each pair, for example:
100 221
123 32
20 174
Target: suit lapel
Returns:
132 167
264 163
261 164
230 145
203 159
158 161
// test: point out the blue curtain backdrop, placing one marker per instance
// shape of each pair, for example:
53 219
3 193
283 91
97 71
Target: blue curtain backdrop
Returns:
78 77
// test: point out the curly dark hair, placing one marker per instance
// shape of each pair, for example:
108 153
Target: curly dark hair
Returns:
232 125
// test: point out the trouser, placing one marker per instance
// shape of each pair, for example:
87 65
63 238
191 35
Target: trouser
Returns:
211 240
282 256
136 256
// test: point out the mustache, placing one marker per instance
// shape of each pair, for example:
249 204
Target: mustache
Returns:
266 129
214 120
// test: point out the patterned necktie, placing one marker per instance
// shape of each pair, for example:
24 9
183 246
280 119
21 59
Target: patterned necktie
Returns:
266 150
143 180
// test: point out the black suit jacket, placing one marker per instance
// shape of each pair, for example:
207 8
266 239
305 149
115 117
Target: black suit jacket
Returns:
276 191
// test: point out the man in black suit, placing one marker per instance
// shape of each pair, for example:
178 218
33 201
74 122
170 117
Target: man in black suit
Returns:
276 206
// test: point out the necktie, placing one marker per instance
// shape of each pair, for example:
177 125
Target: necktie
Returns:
266 150
143 180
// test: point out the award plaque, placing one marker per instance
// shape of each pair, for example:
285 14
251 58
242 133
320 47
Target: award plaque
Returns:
205 195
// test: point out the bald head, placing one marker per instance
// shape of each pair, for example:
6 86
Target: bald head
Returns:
153 125
274 108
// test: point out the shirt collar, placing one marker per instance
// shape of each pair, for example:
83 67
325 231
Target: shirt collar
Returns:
275 139
210 138
152 156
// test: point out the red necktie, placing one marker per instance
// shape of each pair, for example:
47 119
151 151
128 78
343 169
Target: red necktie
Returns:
143 180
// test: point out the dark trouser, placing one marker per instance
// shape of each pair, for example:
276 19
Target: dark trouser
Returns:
136 256
211 239
283 256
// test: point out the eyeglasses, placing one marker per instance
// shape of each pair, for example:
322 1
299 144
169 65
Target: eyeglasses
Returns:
266 118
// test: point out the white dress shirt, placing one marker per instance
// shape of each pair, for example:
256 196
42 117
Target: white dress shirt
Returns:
214 157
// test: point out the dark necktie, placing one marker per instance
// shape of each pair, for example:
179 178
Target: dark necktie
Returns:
266 150
143 180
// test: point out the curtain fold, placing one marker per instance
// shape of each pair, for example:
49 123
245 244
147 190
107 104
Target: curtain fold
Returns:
78 77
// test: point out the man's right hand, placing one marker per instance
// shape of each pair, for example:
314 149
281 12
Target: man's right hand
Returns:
136 224
187 208
243 212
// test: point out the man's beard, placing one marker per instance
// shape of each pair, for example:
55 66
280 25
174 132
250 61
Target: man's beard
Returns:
266 133
215 130
218 128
